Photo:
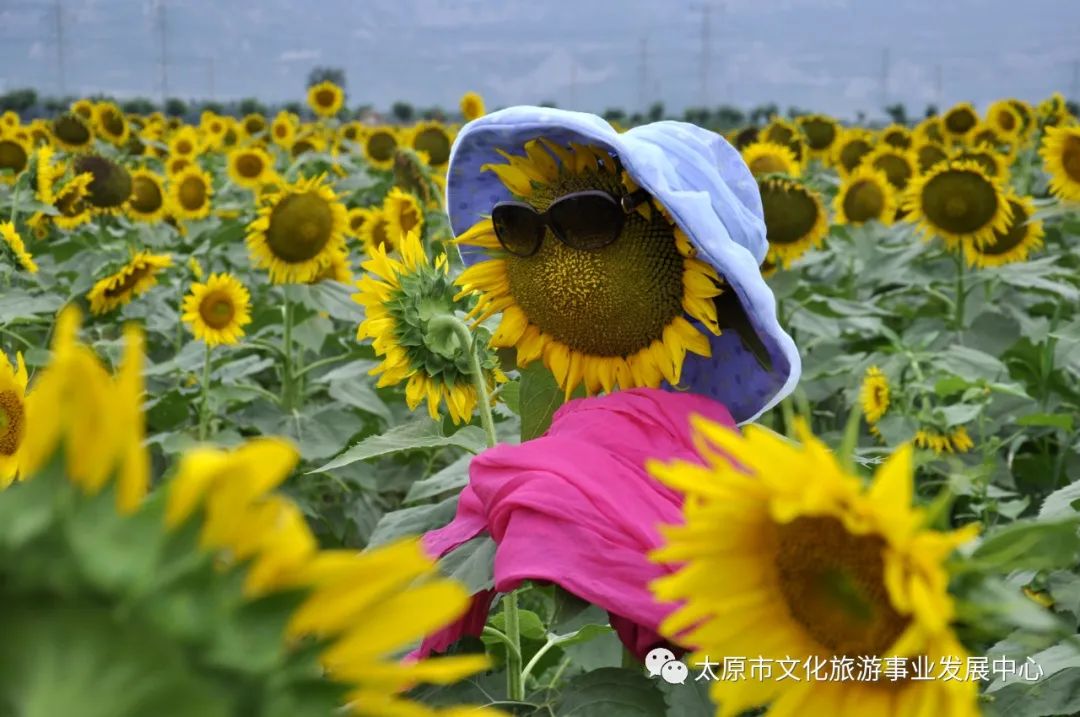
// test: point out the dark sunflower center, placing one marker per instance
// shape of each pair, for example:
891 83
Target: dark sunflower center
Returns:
350 133
325 98
11 422
959 201
281 130
960 121
254 125
192 193
896 168
613 301
12 156
381 146
112 122
70 204
379 236
146 195
1013 237
249 165
1070 157
72 130
820 134
929 155
129 282
356 221
408 217
767 164
301 146
1006 120
435 142
217 310
184 146
864 201
780 134
111 185
897 139
790 213
853 152
834 585
300 226
983 159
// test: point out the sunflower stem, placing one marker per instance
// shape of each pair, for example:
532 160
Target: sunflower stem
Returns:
204 406
468 343
960 293
287 378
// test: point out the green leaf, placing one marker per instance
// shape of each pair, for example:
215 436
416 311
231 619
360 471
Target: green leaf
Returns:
540 396
1064 421
970 363
532 627
453 477
472 564
422 433
689 700
959 414
413 521
1062 503
17 304
611 692
1030 545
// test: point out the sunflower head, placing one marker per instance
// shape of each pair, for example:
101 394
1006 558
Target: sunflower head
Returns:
14 157
111 183
959 202
928 154
1054 110
132 280
821 133
403 214
71 202
190 191
1005 118
785 132
434 140
72 132
379 146
959 121
874 394
148 199
992 162
401 297
110 123
251 126
950 440
931 129
283 129
853 145
46 175
897 164
795 218
185 143
12 415
764 158
1023 235
11 244
865 195
325 99
251 166
897 136
299 228
1060 152
472 106
218 310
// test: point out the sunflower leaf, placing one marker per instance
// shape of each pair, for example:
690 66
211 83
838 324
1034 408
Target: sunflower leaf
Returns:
411 436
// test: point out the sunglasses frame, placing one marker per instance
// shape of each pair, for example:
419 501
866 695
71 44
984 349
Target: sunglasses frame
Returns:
626 202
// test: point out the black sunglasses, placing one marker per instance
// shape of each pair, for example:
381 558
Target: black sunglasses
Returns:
587 220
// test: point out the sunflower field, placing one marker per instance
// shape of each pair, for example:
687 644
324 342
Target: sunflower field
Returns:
292 423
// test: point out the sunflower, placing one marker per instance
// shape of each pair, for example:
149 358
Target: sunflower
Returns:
358 216
337 270
403 214
853 145
283 129
9 120
12 416
782 131
13 245
958 202
46 175
176 165
379 147
148 200
928 154
399 298
111 185
1053 110
307 142
1023 236
83 108
991 160
764 158
1060 152
623 314
251 167
897 164
434 140
189 193
298 229
1026 113
185 143
956 440
795 218
218 310
1005 119
110 124
472 106
214 128
821 133
251 126
865 195
931 129
989 139
133 279
959 121
787 556
375 231
14 157
897 136
71 202
325 99
72 132
874 394
745 137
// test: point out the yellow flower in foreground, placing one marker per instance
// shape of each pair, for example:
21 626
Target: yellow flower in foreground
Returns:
12 415
1060 153
472 106
874 394
14 244
789 557
218 310
133 279
955 441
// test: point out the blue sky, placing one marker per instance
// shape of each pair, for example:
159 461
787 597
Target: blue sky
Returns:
827 55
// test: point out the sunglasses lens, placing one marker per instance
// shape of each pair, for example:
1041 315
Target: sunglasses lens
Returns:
518 228
587 220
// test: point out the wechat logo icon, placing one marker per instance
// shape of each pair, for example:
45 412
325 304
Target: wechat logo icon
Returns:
661 662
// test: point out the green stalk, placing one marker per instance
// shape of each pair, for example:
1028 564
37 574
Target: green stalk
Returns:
204 406
960 293
287 379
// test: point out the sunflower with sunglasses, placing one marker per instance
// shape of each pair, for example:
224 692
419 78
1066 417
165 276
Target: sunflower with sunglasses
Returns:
597 267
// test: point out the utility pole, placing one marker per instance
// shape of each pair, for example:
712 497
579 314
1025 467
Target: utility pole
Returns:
643 74
164 39
58 16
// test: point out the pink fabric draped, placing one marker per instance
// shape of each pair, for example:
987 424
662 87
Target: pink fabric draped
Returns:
576 507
